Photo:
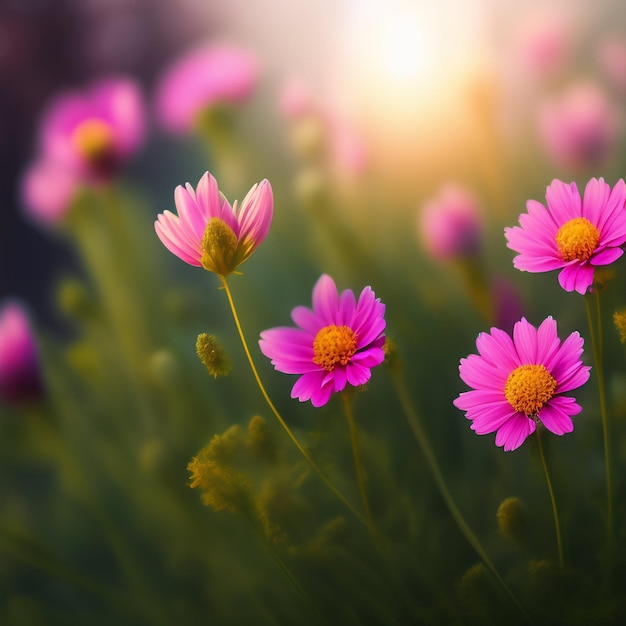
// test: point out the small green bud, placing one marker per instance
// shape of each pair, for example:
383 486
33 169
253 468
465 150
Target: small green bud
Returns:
260 440
164 368
308 138
213 355
74 299
511 519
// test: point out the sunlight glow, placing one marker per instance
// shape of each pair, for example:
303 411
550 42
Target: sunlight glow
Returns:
405 49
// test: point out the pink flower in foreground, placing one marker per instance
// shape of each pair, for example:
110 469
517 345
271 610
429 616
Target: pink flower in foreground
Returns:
208 232
20 372
85 137
449 225
573 235
337 342
519 381
208 75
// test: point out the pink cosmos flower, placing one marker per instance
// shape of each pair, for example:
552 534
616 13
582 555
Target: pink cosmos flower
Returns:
519 381
96 130
20 372
208 75
85 136
208 232
579 129
572 235
48 189
450 224
543 42
337 342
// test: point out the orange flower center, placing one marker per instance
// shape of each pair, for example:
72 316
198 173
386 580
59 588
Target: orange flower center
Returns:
577 239
528 388
333 345
93 139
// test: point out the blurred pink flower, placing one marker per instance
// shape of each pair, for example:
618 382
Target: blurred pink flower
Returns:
94 131
85 136
337 342
571 234
20 372
295 99
208 232
208 75
508 302
345 146
47 190
611 55
519 381
450 225
543 42
580 128
349 150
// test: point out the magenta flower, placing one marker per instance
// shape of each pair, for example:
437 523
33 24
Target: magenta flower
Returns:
336 343
571 234
94 131
449 224
84 139
20 371
206 76
208 232
519 381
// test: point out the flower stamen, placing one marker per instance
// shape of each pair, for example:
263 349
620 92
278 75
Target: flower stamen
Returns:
220 246
577 239
528 388
334 345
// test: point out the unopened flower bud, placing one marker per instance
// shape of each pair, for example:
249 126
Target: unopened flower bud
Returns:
511 519
260 440
215 359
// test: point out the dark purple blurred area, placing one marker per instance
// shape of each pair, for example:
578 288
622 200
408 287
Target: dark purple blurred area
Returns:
48 45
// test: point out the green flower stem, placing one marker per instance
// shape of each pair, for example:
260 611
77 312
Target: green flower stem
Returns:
595 333
250 512
557 526
103 239
70 464
356 451
274 410
420 435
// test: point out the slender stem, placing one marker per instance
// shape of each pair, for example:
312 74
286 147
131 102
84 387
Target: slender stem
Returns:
252 516
557 526
274 410
596 339
356 451
292 579
416 426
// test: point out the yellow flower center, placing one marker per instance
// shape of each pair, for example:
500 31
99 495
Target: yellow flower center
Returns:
577 239
93 139
528 388
333 345
220 247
